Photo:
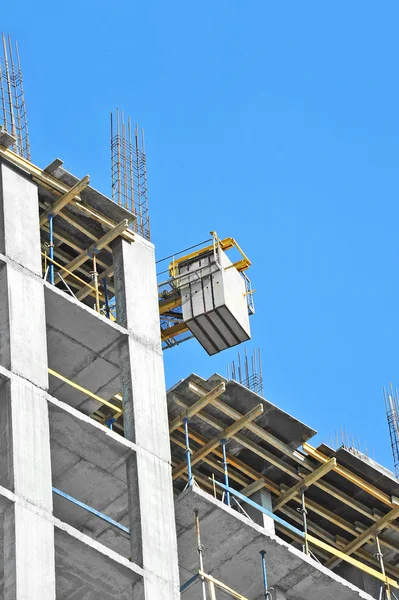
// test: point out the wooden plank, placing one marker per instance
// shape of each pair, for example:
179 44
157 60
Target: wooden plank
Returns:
305 483
225 434
63 200
197 406
347 474
373 530
349 559
103 241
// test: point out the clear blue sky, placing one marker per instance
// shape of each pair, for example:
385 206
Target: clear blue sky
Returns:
273 122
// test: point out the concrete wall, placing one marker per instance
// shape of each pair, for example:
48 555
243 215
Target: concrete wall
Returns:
25 468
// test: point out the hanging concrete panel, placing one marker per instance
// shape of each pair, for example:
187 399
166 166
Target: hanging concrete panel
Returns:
214 302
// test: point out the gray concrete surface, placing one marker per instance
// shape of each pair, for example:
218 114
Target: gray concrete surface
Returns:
231 545
152 524
84 347
25 467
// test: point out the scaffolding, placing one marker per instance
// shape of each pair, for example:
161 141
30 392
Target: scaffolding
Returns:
129 171
12 110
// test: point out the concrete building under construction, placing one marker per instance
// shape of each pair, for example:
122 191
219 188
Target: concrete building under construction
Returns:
112 487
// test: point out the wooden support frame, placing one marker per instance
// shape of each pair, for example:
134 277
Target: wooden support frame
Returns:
61 202
305 483
99 245
366 535
224 434
314 506
86 291
197 406
296 456
347 474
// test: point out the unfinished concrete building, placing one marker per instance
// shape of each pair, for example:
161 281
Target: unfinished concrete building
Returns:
113 488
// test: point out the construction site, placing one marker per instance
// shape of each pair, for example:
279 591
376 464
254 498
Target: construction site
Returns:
112 486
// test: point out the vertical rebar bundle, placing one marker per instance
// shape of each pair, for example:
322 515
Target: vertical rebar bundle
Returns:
248 374
129 171
392 410
12 110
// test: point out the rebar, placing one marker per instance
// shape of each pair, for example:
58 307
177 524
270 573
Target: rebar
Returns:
392 411
252 377
129 171
12 99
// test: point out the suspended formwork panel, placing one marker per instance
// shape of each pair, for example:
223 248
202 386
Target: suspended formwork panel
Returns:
214 301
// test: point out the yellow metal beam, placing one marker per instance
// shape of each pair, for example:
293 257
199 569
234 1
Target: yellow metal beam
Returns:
305 483
356 563
167 305
174 330
103 241
225 434
355 479
197 406
373 530
86 392
65 199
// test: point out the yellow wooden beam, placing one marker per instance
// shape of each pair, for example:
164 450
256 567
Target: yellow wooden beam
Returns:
65 199
197 406
349 559
355 479
305 483
371 531
99 245
225 434
85 391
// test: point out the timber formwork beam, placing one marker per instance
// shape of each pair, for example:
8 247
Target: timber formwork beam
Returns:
225 434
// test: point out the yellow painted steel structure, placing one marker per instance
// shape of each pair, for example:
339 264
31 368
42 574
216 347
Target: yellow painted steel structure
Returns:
225 244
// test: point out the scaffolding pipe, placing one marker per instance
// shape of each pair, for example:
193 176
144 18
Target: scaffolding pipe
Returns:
226 473
199 550
188 452
51 248
264 572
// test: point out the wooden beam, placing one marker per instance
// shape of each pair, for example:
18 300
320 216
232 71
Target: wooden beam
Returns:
356 563
225 434
347 474
65 199
373 530
305 483
291 513
297 457
103 241
197 406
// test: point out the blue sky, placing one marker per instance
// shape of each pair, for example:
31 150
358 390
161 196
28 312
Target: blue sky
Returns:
273 122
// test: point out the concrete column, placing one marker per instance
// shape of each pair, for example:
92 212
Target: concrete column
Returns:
152 519
25 465
263 498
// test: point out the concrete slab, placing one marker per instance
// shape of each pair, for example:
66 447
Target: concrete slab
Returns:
274 420
88 463
82 346
87 569
232 543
